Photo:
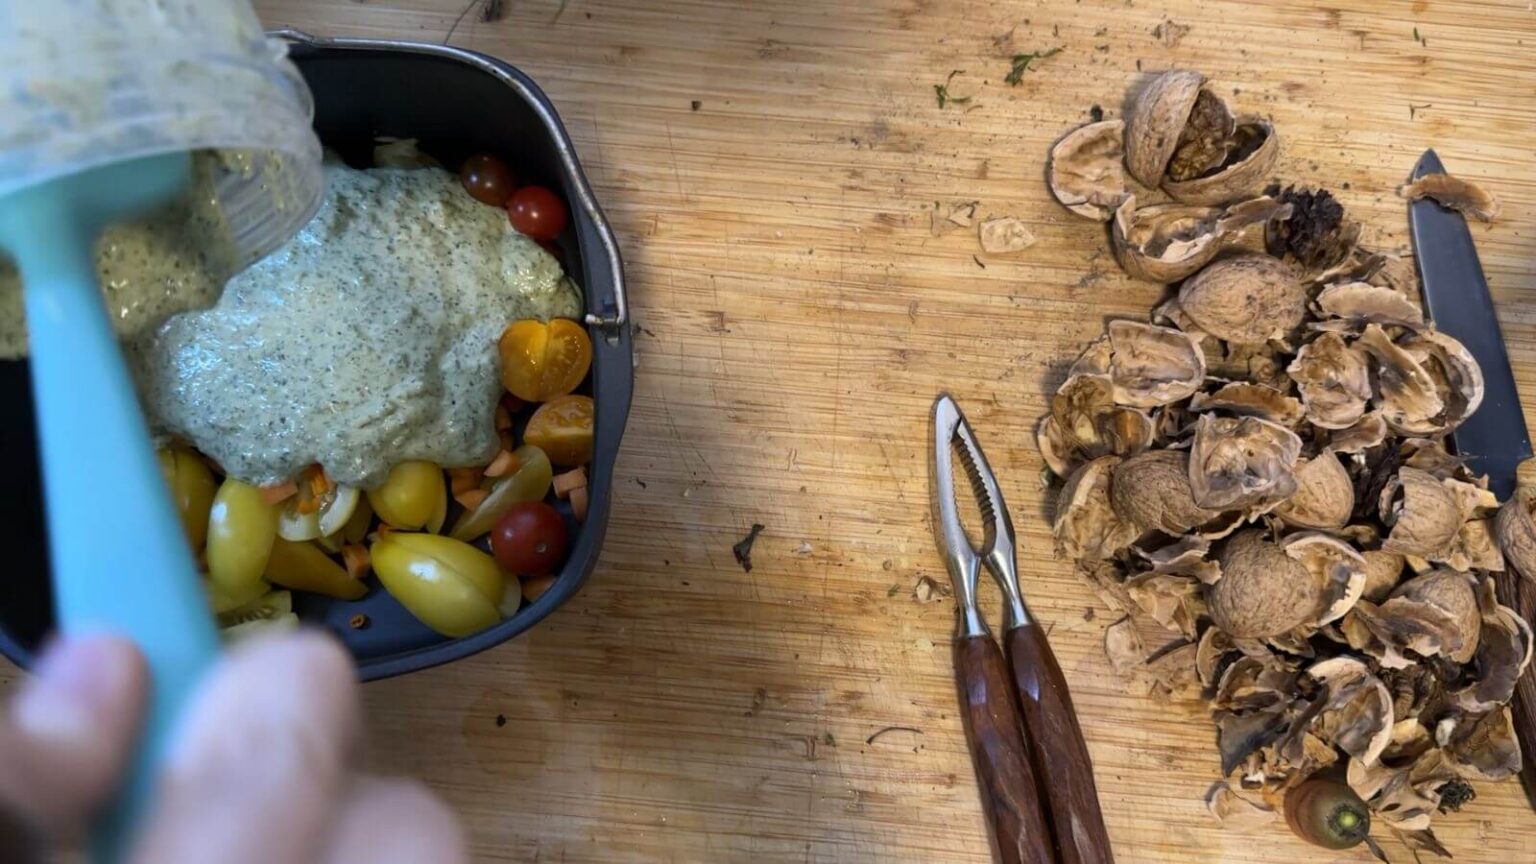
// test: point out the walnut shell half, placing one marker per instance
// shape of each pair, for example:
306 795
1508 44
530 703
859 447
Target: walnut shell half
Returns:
1251 154
1337 567
1085 423
1168 242
1325 495
1334 379
1457 378
1362 301
1246 299
1086 172
1086 527
1424 513
1516 528
1242 462
1156 123
1452 592
1406 394
1164 242
1151 366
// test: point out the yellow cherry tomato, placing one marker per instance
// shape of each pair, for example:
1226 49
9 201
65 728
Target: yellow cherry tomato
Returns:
412 495
540 361
450 585
192 489
303 567
241 529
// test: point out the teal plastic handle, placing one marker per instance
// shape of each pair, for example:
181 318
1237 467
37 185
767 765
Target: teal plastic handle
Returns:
121 561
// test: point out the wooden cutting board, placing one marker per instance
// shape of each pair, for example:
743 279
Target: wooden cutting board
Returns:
769 167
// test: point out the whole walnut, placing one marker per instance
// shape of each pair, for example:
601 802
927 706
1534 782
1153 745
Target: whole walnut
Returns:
1263 592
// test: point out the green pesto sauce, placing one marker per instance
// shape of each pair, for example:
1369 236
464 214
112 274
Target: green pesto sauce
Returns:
367 340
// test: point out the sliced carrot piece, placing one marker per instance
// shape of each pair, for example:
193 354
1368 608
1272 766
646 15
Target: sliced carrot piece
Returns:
317 480
504 463
503 418
462 480
579 503
357 560
471 498
569 481
274 495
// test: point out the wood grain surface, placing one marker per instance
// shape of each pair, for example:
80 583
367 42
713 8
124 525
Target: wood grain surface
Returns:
769 166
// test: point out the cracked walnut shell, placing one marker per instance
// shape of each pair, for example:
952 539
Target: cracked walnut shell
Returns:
1156 123
1086 171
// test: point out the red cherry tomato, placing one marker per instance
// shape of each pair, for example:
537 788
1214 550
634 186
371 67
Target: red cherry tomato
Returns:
530 539
488 179
537 212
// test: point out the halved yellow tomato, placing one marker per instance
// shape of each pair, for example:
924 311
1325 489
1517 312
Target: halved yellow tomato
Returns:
562 428
530 482
540 361
320 508
192 489
450 585
241 529
304 567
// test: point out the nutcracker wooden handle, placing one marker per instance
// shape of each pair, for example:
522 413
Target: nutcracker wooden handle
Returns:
1060 754
1010 793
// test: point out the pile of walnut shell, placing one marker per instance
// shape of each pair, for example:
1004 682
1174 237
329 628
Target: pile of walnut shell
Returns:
1257 477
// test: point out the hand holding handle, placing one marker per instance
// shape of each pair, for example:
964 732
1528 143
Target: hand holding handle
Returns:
130 571
1056 744
1009 790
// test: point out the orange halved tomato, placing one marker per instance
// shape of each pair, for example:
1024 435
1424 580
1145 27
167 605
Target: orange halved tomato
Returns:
562 428
541 361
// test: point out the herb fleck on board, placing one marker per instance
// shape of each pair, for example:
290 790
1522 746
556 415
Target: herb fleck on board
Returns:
941 91
1021 64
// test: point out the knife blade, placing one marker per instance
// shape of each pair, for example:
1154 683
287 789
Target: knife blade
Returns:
1494 440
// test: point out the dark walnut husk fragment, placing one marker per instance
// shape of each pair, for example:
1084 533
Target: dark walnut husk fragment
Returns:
1317 233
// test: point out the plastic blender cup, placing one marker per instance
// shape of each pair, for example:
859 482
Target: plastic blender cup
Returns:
102 103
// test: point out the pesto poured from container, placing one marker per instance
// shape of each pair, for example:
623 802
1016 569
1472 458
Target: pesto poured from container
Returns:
368 340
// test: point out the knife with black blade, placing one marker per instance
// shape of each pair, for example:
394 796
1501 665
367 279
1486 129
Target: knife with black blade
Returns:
1494 440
